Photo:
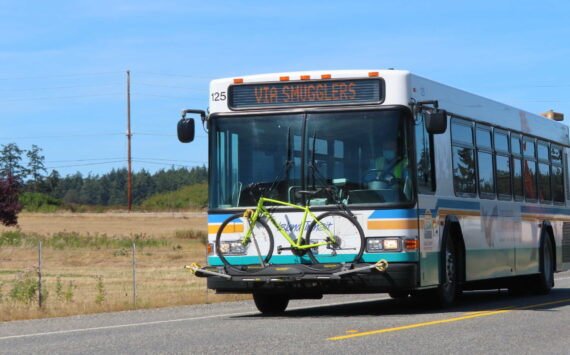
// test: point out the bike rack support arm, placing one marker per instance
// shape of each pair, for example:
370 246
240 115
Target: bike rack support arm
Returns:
381 266
194 267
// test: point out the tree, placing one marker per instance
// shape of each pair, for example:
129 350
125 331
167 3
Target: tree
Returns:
36 167
9 206
11 162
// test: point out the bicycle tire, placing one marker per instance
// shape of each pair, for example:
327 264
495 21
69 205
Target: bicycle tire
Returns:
235 233
344 226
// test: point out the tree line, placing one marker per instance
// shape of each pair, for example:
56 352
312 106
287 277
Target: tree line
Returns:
27 170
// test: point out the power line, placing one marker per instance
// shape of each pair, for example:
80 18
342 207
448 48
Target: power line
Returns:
162 96
174 75
58 97
90 164
170 86
58 87
76 160
60 76
172 160
165 164
71 135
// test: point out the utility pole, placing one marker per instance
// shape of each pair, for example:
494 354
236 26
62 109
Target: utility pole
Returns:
129 135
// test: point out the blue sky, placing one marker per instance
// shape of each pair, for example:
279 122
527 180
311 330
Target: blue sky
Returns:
63 63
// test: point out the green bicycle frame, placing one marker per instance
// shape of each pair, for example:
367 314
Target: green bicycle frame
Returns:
261 210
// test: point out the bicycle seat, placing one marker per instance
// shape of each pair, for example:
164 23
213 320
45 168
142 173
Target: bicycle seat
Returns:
307 192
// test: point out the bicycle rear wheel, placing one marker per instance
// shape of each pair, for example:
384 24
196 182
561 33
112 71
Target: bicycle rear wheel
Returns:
230 247
347 233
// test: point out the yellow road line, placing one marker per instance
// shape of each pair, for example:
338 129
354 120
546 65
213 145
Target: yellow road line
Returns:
490 310
449 320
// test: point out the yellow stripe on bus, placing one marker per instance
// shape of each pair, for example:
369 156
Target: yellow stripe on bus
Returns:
230 228
393 224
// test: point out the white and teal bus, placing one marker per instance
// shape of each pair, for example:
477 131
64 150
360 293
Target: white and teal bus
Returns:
453 191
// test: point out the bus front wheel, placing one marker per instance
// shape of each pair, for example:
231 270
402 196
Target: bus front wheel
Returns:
448 289
270 304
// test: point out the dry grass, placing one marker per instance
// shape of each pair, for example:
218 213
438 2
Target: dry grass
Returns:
91 280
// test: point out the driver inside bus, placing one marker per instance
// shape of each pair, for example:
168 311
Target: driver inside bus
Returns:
392 169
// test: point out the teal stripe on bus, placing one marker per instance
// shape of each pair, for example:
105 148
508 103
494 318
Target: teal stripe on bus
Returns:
292 259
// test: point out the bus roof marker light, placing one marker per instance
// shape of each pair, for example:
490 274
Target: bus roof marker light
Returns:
373 74
238 81
326 76
305 77
284 78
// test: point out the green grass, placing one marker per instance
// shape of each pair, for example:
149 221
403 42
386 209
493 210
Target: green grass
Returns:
70 240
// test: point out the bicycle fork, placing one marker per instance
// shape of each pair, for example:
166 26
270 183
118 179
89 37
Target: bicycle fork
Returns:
247 215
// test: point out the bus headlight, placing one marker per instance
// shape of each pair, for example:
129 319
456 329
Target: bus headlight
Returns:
376 245
234 247
373 245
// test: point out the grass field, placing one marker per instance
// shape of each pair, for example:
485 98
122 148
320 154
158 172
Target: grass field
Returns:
87 263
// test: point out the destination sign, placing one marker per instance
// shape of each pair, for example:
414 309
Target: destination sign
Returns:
309 93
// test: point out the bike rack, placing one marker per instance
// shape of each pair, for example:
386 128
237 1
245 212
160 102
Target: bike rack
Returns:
195 267
381 265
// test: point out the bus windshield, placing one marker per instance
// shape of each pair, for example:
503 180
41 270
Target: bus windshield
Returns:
361 157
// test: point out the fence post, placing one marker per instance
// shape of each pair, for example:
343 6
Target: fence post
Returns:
40 273
134 277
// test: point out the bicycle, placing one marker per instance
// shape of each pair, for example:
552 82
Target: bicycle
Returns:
331 234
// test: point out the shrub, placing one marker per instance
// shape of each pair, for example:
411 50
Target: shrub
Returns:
25 288
38 202
189 197
9 206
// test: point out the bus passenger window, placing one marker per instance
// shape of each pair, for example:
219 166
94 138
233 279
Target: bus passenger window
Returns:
529 169
544 188
504 177
485 166
517 179
503 164
463 158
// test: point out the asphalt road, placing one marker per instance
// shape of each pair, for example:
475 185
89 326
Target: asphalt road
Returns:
489 322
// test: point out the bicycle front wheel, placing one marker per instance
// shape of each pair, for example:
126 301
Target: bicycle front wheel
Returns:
347 233
233 251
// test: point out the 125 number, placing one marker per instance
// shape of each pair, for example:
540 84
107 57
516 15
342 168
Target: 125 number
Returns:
219 96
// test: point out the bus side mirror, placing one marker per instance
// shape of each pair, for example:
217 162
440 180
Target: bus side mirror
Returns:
436 121
186 130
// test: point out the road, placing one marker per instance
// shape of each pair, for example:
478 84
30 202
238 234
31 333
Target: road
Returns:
490 322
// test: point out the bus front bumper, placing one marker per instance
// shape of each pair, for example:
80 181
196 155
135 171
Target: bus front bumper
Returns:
316 278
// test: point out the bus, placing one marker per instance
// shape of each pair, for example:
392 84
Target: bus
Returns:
453 191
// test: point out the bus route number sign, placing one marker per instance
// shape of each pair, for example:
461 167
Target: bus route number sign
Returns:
306 93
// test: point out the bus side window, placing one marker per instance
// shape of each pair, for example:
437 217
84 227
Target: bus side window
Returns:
503 165
529 169
517 167
424 157
485 165
464 181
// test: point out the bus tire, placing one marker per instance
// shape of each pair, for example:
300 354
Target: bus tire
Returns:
544 281
399 295
270 303
446 293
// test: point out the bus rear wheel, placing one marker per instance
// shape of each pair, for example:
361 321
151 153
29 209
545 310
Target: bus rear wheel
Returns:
544 281
270 304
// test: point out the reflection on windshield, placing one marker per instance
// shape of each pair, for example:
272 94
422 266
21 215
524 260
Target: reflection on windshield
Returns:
360 157
363 155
